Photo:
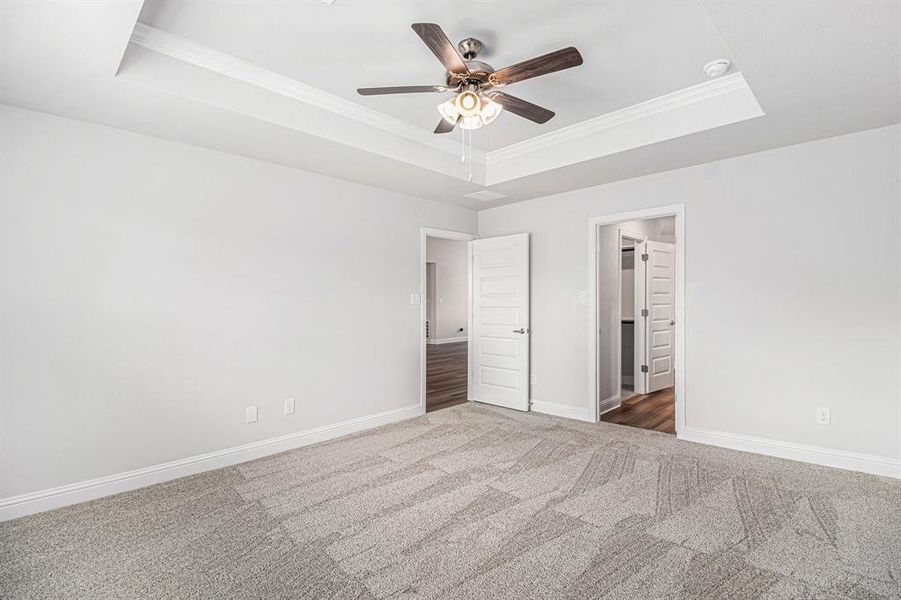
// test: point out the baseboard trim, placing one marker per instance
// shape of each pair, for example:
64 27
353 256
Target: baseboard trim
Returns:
40 501
840 459
562 410
453 340
611 403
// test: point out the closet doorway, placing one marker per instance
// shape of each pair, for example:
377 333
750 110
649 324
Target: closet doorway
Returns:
637 285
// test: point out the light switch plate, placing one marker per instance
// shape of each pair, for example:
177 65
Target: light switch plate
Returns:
289 406
415 299
583 297
533 379
252 414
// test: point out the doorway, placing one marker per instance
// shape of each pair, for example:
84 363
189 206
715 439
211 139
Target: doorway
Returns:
492 339
637 305
445 318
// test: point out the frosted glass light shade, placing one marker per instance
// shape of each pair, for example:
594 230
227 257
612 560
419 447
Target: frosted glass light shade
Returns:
448 111
489 110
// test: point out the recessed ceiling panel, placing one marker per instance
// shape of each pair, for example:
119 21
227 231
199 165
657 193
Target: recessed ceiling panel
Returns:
633 51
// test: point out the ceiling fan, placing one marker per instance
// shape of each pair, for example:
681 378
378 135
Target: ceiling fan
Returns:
477 100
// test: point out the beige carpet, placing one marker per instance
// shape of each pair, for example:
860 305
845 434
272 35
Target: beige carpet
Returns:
476 502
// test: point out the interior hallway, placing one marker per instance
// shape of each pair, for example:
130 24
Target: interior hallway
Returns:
445 382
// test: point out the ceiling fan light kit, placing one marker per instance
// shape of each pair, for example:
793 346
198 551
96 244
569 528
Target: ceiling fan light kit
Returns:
476 101
470 108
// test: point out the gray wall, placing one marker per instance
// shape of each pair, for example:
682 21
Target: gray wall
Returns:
792 283
152 290
452 283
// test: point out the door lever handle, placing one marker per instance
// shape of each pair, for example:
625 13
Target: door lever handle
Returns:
521 330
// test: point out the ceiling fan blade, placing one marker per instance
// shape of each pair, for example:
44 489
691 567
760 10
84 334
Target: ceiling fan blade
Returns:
402 89
445 127
540 65
435 38
520 107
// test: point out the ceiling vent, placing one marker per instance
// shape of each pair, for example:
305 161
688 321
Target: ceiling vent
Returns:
485 195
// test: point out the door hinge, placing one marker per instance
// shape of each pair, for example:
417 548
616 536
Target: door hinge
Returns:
644 312
644 257
644 368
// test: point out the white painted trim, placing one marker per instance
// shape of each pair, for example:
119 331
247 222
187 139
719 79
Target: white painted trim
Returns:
446 234
452 340
35 502
187 51
561 410
840 459
673 210
635 112
686 112
608 404
469 363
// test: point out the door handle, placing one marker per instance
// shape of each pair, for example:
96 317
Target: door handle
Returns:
521 330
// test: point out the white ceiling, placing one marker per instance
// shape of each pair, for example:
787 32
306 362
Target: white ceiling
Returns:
628 49
817 69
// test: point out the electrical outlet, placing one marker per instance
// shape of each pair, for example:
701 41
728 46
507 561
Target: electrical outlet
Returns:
289 406
823 416
251 414
533 379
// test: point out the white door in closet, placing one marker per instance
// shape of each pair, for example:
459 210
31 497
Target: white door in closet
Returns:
659 323
499 348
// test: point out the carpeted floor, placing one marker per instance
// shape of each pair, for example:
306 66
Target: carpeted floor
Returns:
476 502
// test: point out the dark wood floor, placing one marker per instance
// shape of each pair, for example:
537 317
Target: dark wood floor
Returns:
445 378
655 411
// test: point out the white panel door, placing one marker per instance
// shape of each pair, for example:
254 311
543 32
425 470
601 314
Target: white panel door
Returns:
660 325
499 348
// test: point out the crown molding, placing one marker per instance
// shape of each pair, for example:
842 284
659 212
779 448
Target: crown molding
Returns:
698 108
635 112
185 50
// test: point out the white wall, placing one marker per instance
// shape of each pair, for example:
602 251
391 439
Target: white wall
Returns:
452 282
151 291
787 308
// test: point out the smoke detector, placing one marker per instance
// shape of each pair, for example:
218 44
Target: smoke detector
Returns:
717 67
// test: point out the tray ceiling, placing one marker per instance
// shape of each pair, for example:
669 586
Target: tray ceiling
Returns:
633 51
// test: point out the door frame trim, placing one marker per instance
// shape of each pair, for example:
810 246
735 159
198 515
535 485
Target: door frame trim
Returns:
445 234
671 210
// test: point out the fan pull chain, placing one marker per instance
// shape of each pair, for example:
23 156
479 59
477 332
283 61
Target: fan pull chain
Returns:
470 155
